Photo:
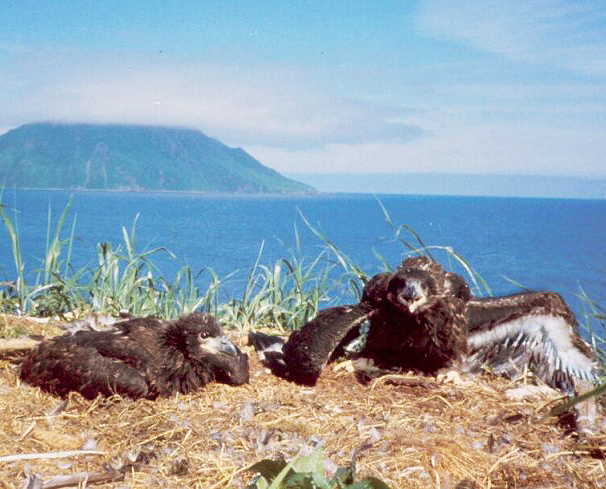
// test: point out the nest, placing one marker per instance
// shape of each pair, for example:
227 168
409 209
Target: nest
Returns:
411 432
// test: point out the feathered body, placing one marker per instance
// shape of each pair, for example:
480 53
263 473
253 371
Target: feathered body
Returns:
423 319
417 319
425 337
139 358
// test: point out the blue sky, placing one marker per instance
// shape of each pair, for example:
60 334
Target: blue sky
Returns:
494 87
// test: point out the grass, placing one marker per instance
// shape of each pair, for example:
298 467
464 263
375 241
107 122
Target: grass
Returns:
280 295
123 279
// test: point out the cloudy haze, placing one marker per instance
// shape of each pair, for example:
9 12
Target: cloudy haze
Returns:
452 87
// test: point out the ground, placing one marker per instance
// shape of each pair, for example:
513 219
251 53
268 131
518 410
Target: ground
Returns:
410 432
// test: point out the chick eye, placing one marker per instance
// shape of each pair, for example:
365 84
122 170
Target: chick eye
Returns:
204 335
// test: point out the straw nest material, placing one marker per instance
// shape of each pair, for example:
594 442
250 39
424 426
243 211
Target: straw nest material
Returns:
411 432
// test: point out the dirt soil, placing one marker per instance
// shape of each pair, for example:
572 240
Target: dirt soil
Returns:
473 434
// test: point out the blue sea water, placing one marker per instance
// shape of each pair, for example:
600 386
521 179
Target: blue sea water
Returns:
555 244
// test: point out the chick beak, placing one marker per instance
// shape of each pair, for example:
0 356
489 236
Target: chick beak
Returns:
218 344
412 296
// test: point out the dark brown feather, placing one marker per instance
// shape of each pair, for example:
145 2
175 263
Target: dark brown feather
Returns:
424 319
320 341
425 339
141 357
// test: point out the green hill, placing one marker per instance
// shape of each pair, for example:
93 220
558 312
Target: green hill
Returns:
120 157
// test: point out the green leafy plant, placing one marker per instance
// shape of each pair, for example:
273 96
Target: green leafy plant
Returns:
123 279
307 472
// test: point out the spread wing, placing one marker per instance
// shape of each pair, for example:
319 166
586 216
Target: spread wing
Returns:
323 339
535 331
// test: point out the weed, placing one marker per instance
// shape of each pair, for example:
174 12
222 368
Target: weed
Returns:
307 472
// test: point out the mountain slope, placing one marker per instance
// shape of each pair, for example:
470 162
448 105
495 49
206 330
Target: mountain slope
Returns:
120 157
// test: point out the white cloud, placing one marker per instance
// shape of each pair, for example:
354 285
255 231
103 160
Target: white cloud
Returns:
559 33
487 148
279 106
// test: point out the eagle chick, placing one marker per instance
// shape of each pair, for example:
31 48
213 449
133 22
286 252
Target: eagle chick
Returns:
139 358
423 319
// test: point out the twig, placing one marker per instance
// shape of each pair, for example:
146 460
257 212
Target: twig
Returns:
48 455
502 459
404 379
580 451
229 478
28 430
82 478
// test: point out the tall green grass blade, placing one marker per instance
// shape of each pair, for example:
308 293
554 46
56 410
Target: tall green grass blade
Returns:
570 403
53 249
397 230
17 258
344 261
479 283
70 243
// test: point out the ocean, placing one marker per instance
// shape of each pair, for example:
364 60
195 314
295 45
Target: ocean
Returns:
540 244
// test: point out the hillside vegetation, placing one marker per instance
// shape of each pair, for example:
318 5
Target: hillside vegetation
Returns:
120 157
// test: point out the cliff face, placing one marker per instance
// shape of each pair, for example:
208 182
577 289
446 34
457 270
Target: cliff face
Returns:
117 157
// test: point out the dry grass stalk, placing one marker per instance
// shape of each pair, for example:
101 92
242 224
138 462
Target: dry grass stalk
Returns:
410 434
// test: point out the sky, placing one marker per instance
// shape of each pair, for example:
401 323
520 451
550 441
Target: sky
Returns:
472 87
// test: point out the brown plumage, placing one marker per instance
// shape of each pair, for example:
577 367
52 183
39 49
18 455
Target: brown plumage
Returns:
423 318
302 358
140 358
417 317
404 332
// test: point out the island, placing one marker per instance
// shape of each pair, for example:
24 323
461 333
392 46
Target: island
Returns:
132 158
